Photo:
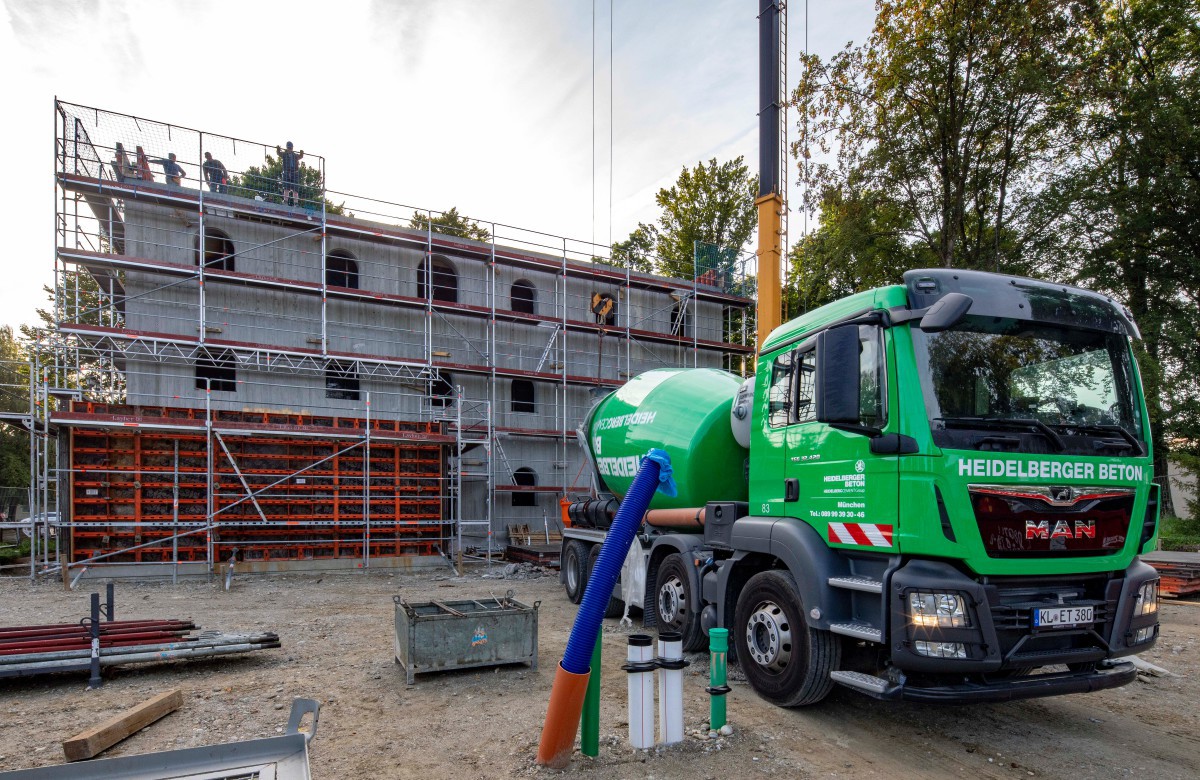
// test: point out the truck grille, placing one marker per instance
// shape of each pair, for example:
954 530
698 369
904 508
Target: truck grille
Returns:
1038 521
1012 602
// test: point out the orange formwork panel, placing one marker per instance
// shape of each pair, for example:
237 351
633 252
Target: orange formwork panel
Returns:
131 484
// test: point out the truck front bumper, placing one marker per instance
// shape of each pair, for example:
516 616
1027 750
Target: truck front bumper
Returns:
1012 689
996 634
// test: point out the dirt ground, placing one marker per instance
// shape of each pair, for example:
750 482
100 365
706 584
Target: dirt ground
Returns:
337 634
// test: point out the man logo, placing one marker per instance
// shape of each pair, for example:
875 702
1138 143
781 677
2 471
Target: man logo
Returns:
1040 529
1062 494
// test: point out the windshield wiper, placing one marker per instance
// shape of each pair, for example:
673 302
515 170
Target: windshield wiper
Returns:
1006 424
1132 440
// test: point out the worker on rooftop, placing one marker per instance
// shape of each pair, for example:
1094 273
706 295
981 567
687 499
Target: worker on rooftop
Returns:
171 169
215 173
291 173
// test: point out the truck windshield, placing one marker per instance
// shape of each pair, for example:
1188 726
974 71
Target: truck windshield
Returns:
1013 385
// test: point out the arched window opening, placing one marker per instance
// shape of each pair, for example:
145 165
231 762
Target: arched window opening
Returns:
523 296
524 477
444 279
604 308
441 390
524 397
341 382
341 270
218 250
217 371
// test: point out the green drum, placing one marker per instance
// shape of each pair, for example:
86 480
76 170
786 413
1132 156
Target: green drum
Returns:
684 411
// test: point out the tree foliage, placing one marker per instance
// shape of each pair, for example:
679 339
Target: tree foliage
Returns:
81 301
451 223
266 182
709 205
1052 137
14 443
1126 205
860 242
939 122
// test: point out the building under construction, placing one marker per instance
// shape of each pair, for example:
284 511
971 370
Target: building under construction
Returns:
324 378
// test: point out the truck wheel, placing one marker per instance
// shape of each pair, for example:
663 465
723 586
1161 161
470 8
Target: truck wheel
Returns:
785 661
678 607
616 607
575 569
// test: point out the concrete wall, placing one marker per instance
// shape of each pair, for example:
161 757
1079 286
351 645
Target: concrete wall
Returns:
159 303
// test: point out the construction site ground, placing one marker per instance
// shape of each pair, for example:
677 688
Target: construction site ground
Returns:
337 633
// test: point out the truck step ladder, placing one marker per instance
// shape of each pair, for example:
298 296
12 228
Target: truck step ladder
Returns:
867 683
857 630
864 584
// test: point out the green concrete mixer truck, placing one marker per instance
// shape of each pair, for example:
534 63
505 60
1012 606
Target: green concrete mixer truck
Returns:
933 491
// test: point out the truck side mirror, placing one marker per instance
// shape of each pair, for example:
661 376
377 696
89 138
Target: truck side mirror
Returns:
946 313
838 375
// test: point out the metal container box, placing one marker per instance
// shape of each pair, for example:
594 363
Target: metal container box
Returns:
437 635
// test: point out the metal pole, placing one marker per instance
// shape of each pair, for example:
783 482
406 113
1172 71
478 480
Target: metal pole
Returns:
94 681
324 280
175 520
367 490
33 423
695 318
458 442
45 438
561 454
208 457
201 261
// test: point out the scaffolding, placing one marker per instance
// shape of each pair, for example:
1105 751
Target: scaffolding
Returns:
326 377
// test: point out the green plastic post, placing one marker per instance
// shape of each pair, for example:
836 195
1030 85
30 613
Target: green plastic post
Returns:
589 724
718 651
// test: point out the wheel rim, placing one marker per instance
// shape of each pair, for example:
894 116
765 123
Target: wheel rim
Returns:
573 572
769 637
672 600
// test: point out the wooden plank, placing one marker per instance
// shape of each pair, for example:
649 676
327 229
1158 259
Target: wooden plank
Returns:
447 608
100 738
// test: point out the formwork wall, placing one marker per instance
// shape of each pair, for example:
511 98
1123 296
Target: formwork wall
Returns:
314 499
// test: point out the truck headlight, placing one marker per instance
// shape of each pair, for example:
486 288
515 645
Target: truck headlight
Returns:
1147 599
937 610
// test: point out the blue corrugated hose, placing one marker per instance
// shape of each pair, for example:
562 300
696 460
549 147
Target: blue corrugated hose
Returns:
653 474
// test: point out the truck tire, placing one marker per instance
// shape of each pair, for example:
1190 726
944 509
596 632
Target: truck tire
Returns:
785 661
575 569
616 607
677 605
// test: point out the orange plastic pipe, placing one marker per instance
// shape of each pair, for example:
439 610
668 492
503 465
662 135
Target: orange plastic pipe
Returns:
683 519
562 718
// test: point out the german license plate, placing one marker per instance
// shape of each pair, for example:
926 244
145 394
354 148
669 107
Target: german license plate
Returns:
1063 617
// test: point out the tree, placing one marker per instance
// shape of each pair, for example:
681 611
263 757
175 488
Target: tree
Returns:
1126 206
636 252
940 121
712 203
451 223
14 442
860 243
266 182
81 301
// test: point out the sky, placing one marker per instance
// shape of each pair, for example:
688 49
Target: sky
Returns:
498 107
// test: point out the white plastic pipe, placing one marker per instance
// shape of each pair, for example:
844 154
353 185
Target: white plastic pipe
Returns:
670 687
640 671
